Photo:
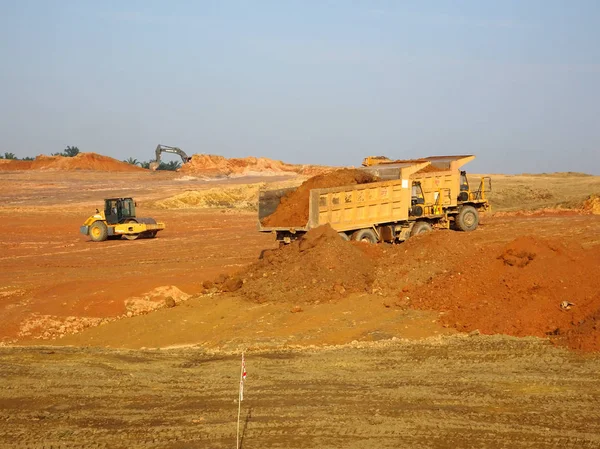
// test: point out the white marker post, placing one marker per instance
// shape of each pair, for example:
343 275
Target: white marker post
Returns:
240 398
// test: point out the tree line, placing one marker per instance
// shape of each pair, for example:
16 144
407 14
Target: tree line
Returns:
172 165
70 151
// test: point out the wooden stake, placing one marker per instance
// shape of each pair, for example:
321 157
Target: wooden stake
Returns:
240 403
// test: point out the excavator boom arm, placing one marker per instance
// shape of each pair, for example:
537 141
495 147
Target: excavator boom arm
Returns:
174 150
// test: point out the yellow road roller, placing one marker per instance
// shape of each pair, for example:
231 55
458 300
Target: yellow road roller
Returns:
118 220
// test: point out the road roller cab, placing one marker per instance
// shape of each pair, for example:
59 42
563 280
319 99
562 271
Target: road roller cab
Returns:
119 219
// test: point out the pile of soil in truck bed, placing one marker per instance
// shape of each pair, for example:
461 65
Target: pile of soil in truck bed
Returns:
293 209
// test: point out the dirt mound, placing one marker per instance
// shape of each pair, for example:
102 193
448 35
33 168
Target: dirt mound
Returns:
321 267
45 327
585 336
238 197
316 268
530 287
214 165
83 161
592 204
293 209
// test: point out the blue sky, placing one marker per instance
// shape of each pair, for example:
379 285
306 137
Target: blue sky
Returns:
515 82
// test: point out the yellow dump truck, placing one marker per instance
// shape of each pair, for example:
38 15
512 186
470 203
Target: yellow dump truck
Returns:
385 211
443 183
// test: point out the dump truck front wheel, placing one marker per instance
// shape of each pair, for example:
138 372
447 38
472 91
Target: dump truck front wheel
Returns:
467 219
365 235
420 227
98 231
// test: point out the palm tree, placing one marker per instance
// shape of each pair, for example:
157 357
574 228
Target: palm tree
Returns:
9 156
71 151
132 161
172 165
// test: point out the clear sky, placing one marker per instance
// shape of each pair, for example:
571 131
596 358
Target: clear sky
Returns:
516 82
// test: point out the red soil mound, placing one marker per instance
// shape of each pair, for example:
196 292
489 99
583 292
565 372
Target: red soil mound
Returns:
316 268
586 335
83 161
293 209
214 165
321 267
528 287
531 287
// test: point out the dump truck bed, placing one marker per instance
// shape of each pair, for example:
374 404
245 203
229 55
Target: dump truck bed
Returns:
268 200
345 208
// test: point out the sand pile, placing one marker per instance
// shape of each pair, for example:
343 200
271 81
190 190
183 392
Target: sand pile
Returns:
316 268
592 204
214 165
235 197
49 327
531 286
293 209
83 161
160 297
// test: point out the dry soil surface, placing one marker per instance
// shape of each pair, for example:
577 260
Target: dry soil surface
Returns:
453 392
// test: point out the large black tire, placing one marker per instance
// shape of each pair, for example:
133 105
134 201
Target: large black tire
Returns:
421 227
365 235
467 219
98 231
345 237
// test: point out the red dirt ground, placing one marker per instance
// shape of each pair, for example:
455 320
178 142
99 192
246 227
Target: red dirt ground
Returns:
509 276
293 209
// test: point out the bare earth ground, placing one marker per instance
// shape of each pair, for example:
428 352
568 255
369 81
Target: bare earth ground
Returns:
444 391
469 392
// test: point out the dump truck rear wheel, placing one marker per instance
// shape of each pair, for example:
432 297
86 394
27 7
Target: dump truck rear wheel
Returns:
365 235
467 219
98 231
420 227
345 237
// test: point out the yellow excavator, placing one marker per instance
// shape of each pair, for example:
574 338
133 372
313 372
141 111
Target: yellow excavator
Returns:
118 220
160 149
